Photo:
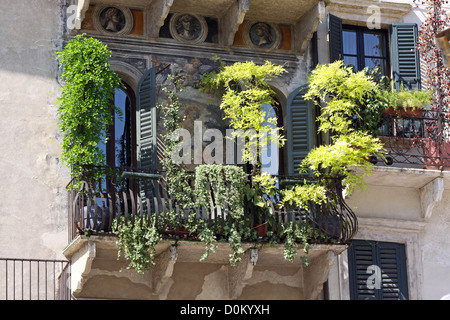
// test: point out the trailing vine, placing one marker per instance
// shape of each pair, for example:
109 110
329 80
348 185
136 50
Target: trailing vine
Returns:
137 241
177 177
226 184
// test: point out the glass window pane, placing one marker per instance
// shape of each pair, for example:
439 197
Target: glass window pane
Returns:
374 44
376 63
122 130
349 40
269 153
351 61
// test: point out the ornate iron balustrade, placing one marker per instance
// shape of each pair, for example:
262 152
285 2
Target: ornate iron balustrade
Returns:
418 139
94 206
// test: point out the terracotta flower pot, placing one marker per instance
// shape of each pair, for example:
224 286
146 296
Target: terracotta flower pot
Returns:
402 112
261 230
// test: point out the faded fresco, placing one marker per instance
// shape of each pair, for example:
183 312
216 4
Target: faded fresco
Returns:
198 105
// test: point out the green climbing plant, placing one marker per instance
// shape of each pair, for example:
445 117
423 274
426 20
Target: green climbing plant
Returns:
84 106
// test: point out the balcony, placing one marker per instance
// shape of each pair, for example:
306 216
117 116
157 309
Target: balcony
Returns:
135 195
417 139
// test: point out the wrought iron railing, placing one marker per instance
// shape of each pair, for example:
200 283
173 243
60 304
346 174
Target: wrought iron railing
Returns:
418 139
94 206
34 279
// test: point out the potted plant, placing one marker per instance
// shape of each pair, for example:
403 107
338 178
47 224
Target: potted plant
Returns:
406 103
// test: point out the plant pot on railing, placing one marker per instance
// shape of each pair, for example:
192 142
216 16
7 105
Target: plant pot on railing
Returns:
180 232
401 111
261 230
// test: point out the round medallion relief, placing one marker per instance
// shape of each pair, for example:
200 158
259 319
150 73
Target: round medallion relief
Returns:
262 35
188 28
113 20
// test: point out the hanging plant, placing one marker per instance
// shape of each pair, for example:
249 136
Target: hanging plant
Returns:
226 184
84 107
137 241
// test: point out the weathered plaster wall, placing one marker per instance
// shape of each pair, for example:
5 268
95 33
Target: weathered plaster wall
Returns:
33 213
397 214
377 202
436 251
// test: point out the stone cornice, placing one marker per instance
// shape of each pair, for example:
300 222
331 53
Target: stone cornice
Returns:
359 11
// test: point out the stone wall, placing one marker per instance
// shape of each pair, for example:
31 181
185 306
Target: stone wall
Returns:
33 205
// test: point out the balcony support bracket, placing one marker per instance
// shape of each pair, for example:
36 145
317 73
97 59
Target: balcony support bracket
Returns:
82 7
242 272
156 14
307 25
81 266
233 19
317 273
430 195
163 268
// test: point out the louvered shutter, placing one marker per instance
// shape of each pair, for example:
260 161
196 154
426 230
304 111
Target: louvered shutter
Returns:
367 260
404 55
146 121
335 37
299 129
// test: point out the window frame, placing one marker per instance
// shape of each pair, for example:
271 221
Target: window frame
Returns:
111 144
360 54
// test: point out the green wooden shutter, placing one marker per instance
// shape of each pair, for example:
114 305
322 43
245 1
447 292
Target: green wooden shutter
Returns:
299 129
146 121
390 259
404 55
335 37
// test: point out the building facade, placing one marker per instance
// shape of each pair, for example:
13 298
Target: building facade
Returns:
400 250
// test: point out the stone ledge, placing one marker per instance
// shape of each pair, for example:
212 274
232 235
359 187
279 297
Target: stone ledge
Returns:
98 274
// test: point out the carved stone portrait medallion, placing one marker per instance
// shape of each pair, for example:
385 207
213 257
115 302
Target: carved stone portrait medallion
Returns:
113 20
262 35
188 28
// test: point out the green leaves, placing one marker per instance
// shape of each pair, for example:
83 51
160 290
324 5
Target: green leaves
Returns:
84 107
177 177
137 241
226 182
341 93
246 91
